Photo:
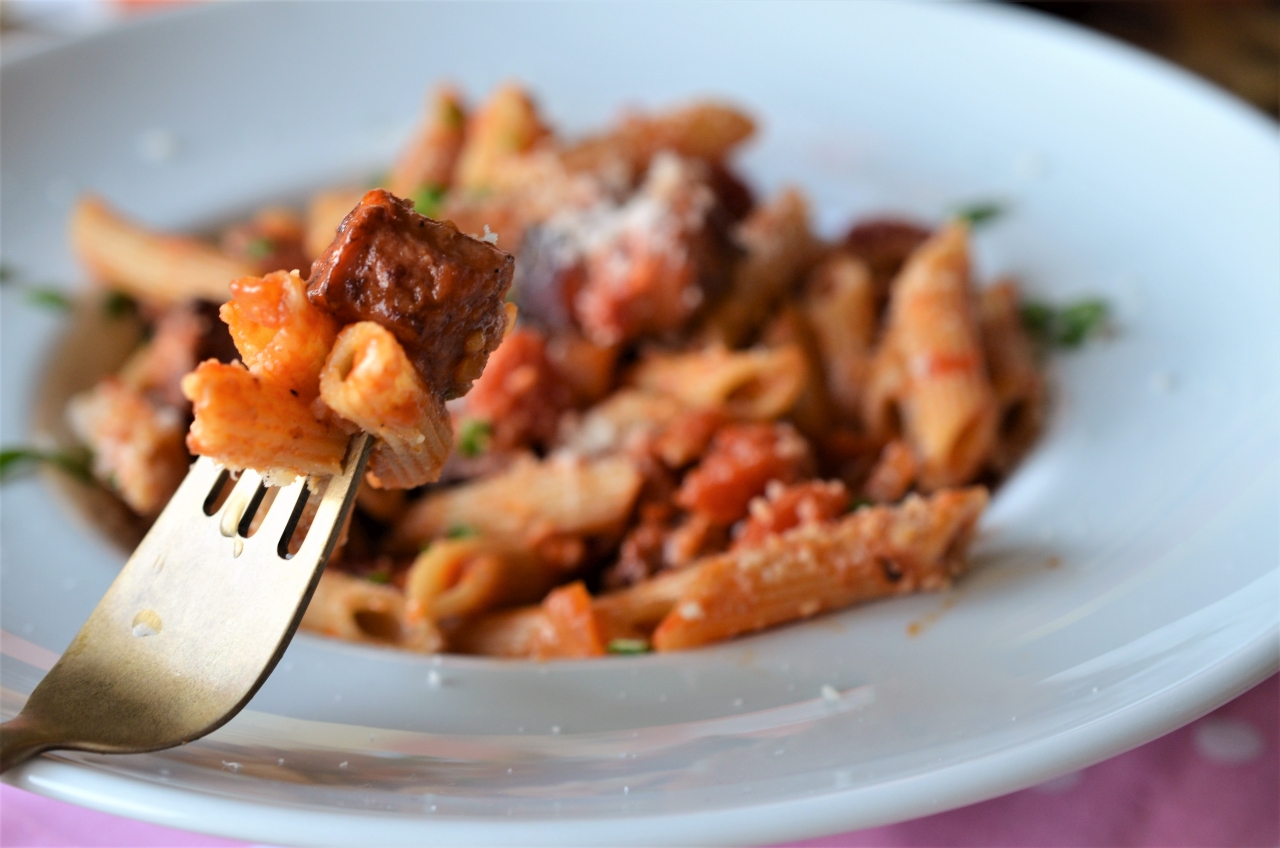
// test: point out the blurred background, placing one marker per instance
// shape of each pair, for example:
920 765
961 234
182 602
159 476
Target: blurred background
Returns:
1234 43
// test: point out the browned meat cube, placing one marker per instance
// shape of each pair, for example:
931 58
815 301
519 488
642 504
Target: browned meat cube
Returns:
440 292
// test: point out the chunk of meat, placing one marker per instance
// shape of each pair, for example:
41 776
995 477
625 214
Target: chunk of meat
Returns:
783 507
520 394
441 293
742 460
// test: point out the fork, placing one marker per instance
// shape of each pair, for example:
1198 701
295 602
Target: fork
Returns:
195 621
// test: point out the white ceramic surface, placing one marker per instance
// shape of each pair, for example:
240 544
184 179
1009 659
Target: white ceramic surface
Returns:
1157 484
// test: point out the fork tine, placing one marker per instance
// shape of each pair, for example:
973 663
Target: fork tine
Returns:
336 502
280 515
238 502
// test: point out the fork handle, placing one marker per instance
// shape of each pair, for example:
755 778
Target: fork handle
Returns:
20 740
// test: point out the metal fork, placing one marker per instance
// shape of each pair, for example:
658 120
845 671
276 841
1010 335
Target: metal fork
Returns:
194 623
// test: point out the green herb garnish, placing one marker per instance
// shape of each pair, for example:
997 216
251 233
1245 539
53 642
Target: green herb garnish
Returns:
117 304
1066 326
260 247
858 503
473 437
461 531
49 299
15 460
628 646
428 200
977 214
378 577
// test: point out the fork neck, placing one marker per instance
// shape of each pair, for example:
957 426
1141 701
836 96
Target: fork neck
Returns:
20 740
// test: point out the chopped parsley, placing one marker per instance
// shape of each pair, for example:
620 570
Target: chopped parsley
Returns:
49 298
260 247
1066 326
858 503
977 214
14 461
117 304
378 577
461 531
428 200
473 437
628 646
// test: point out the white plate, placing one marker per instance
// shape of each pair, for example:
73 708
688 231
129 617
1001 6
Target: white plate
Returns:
1157 484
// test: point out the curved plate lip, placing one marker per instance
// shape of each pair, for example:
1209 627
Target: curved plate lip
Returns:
967 782
929 792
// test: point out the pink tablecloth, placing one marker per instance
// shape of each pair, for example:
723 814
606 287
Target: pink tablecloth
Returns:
1215 782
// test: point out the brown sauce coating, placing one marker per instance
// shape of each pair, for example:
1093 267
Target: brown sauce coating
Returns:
440 292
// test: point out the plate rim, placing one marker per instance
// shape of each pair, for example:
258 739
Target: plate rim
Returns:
1020 765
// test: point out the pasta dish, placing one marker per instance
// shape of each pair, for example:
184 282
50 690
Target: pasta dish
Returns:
621 403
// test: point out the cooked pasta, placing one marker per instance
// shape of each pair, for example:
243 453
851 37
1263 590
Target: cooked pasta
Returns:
946 400
369 381
618 405
529 502
758 384
151 266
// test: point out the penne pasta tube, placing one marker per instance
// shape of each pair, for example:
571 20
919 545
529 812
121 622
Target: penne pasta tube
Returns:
506 126
243 421
429 158
565 626
280 336
779 250
757 384
151 266
530 501
948 407
872 553
368 380
357 610
466 577
841 309
705 130
137 446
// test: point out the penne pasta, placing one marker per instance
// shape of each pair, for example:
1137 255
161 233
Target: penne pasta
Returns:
779 251
465 577
369 381
427 162
841 308
358 610
244 421
504 127
529 502
757 384
870 554
136 445
152 266
947 404
281 337
704 130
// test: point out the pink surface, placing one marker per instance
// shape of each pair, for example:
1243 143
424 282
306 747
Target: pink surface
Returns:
1215 782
